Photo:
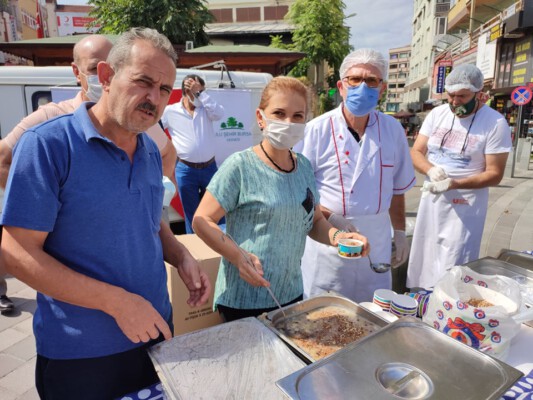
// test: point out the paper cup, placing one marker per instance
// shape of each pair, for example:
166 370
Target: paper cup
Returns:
350 248
383 297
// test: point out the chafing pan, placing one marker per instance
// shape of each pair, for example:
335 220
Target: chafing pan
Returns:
275 319
405 360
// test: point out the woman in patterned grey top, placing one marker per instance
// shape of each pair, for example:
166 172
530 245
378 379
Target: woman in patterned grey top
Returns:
269 198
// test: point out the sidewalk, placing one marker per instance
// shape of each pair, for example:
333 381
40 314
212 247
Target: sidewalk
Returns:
509 225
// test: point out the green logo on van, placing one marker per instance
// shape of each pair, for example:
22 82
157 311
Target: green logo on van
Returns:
231 123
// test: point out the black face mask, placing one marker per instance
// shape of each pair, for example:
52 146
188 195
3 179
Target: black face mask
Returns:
464 109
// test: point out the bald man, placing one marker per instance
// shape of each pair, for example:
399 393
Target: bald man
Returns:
87 53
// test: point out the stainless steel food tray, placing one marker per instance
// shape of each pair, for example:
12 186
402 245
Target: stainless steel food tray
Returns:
405 360
274 318
493 266
518 258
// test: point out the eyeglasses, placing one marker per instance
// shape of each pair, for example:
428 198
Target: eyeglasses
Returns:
354 81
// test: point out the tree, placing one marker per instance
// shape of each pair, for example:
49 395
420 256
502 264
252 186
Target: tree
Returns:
320 33
179 20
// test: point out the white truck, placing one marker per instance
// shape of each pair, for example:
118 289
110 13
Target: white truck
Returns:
24 88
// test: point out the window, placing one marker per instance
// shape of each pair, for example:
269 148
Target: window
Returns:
440 28
404 55
394 56
393 66
245 14
275 12
223 15
40 98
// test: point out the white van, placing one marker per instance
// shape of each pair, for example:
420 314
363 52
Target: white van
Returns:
23 89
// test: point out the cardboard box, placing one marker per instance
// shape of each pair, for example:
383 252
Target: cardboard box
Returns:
187 319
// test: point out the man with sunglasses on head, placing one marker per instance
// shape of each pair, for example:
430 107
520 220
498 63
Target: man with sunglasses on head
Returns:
462 148
362 167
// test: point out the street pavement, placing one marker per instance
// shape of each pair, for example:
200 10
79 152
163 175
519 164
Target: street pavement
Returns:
509 225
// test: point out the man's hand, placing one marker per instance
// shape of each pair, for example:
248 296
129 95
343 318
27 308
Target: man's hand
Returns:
138 319
437 174
196 281
441 186
402 247
339 222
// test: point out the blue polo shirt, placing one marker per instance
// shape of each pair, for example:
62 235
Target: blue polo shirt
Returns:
102 213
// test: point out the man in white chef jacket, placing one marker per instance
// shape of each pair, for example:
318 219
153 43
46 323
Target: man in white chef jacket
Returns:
462 148
362 167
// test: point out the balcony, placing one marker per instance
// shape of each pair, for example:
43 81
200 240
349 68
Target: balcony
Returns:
460 14
441 9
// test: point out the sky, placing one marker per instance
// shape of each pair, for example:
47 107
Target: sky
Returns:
380 24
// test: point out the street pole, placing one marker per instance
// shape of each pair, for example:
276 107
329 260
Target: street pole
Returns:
516 136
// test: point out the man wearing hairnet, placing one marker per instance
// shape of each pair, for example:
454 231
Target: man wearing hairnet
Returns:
462 148
362 168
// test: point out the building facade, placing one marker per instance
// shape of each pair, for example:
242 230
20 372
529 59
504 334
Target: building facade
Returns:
429 29
397 77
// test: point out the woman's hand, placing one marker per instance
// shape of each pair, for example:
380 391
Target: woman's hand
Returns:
354 235
250 269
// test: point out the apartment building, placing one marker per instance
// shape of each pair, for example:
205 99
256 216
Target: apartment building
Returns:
429 29
397 77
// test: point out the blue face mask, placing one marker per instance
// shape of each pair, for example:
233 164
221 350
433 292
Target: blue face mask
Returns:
361 99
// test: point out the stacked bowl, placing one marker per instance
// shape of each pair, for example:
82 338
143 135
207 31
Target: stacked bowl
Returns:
403 306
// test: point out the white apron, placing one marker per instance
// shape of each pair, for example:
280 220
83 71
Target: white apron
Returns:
447 232
323 270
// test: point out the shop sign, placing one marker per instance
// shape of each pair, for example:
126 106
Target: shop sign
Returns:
510 11
74 23
521 68
486 56
495 33
442 73
521 95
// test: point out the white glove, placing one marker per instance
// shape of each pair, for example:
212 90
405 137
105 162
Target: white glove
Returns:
440 187
402 248
437 174
339 222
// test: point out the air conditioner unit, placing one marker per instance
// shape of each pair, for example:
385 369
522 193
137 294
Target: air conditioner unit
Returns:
189 45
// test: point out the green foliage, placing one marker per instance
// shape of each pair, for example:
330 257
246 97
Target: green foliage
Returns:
383 99
179 20
319 32
325 103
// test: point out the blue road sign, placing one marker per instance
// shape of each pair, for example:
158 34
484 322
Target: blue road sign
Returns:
521 95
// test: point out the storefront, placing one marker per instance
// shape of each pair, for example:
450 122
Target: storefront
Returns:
514 68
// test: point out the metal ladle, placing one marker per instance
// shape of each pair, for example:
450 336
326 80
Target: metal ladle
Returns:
379 267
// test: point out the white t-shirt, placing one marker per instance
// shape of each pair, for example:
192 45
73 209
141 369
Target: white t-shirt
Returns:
459 145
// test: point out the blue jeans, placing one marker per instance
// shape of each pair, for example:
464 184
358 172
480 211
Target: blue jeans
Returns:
192 183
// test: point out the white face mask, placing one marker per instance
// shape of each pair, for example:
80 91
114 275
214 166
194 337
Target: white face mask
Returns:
282 135
94 88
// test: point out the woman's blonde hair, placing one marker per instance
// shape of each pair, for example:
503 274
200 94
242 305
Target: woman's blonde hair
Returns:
284 84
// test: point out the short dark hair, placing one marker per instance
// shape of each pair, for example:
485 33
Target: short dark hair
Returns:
191 76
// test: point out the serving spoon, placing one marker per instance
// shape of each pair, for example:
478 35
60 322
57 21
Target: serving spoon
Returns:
379 267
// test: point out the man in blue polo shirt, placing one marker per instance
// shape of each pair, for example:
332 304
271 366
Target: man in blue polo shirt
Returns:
82 225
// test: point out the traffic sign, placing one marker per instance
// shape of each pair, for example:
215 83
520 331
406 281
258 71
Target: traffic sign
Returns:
521 95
